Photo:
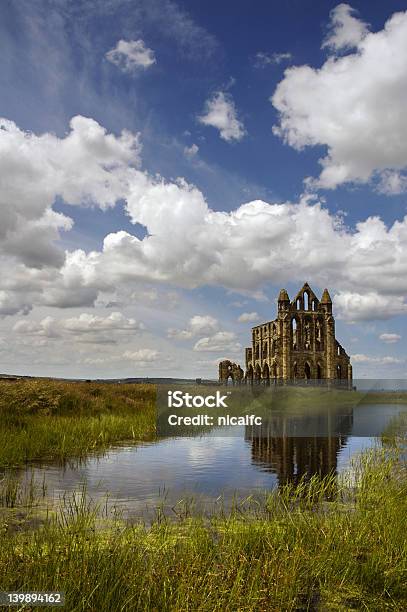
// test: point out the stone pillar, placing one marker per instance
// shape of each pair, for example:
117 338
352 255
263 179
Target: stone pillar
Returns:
285 347
330 347
350 377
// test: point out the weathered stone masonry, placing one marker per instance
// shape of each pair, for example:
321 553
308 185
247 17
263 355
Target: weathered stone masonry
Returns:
299 344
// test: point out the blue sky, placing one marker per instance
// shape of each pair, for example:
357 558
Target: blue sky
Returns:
241 102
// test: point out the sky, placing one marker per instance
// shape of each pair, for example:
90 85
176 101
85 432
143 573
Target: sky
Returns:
167 167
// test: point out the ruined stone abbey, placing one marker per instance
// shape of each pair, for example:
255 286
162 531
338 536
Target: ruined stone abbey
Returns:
299 344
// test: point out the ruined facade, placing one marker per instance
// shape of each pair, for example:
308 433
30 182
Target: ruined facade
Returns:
299 344
230 371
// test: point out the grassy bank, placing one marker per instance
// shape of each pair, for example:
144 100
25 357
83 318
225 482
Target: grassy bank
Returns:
51 420
296 552
57 420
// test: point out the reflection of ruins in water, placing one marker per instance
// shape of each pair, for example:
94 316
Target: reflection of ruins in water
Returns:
293 458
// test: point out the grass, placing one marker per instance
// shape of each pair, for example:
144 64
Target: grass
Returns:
293 552
50 420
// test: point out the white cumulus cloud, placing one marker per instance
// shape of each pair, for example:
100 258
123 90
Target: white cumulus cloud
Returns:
220 113
387 360
191 151
86 327
187 244
248 317
390 338
354 105
87 166
198 325
221 341
144 355
131 55
353 306
345 30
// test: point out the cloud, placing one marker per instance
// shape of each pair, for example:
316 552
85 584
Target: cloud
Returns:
392 183
390 338
48 327
131 55
13 303
90 323
368 306
186 243
354 105
248 317
220 113
173 23
198 326
221 341
190 245
88 328
345 30
87 166
153 297
191 151
360 358
141 356
266 59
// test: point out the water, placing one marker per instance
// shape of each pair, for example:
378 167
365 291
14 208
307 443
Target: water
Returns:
211 469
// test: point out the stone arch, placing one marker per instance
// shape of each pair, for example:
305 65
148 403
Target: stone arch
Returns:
307 370
274 370
314 305
265 350
320 371
257 373
298 304
230 372
306 300
266 372
295 370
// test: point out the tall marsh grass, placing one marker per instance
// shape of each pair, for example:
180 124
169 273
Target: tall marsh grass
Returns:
296 552
44 419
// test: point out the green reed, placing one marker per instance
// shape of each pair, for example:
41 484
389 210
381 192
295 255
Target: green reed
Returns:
44 419
292 551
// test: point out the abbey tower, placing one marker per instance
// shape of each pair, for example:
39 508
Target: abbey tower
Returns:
299 344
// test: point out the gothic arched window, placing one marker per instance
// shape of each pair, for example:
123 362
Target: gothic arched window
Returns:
318 336
294 334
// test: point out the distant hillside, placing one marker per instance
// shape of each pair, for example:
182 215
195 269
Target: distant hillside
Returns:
154 381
